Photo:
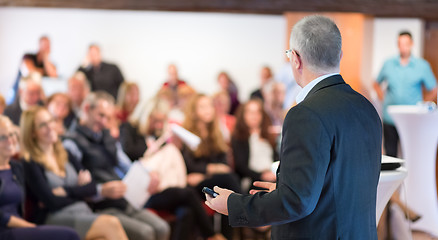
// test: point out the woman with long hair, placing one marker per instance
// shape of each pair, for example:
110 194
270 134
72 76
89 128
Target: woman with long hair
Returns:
207 165
230 87
13 195
143 138
253 146
57 182
127 99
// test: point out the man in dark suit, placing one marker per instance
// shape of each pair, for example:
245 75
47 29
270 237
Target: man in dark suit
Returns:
330 152
101 75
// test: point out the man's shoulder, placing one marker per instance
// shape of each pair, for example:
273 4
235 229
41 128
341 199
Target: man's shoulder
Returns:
108 65
420 61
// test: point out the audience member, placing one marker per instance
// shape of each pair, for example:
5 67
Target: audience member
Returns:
103 156
265 81
60 107
101 75
2 104
230 87
127 100
207 164
274 103
78 89
143 137
173 82
147 121
406 77
57 183
12 187
221 103
39 62
30 93
252 145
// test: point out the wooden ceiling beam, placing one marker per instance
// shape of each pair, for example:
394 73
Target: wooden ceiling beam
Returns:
427 9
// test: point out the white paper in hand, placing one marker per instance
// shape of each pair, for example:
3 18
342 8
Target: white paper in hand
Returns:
190 139
137 181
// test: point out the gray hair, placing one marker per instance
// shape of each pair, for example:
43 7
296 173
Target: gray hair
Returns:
34 77
92 99
318 42
81 77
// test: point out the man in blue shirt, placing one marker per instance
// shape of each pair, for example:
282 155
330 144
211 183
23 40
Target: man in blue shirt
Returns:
405 76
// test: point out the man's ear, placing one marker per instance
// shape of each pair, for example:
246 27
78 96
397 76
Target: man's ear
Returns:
297 62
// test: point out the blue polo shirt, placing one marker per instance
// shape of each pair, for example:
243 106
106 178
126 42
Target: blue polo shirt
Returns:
405 82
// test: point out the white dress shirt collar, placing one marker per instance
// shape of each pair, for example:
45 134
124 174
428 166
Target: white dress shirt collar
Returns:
306 89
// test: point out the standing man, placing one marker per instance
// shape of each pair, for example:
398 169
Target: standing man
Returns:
330 152
101 75
406 77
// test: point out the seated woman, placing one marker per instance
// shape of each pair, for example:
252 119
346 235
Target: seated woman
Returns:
57 183
60 106
207 164
253 146
127 100
144 138
12 225
221 103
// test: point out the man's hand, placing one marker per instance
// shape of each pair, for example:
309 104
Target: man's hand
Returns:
113 189
268 185
84 177
268 176
219 203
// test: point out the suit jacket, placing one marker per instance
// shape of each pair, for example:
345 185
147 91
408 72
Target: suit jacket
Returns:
328 173
106 77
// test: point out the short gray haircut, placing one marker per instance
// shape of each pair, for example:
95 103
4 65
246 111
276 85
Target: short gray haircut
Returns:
80 76
318 41
34 77
94 97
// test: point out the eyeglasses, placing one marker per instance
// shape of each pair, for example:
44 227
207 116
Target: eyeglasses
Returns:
6 137
289 53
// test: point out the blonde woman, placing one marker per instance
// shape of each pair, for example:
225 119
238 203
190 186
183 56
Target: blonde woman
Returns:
57 182
127 100
141 139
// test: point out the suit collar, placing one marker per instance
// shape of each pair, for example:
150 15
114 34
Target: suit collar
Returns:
328 82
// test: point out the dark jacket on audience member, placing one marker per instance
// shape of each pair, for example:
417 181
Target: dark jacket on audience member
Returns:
18 175
13 111
99 156
41 193
199 164
133 143
241 159
106 77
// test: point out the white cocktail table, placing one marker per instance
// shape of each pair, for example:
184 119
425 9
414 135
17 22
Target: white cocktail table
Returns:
418 131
